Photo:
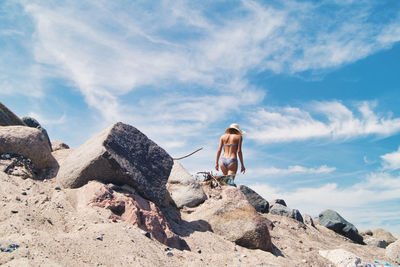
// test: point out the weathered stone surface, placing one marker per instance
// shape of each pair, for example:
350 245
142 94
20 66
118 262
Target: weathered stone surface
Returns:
58 145
28 142
31 122
308 220
120 154
229 214
132 209
370 241
382 234
281 210
342 258
278 201
332 220
17 165
8 118
183 187
257 201
393 252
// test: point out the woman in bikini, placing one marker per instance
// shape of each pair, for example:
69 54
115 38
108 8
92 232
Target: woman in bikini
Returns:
232 143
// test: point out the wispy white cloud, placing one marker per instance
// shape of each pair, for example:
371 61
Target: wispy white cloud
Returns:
391 161
45 120
111 49
338 122
291 170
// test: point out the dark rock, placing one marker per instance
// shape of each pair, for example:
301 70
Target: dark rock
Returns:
14 211
31 122
121 154
11 247
24 193
57 188
8 118
332 220
278 201
257 201
368 232
147 234
281 210
17 165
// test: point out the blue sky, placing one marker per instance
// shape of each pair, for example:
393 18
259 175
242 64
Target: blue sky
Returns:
315 84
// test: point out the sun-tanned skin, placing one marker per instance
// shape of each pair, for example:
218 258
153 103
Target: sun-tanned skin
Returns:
232 143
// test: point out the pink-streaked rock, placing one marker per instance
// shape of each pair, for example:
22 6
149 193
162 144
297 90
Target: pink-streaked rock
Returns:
133 209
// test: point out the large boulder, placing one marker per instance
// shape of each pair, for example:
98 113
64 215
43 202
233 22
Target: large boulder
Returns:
8 118
332 220
278 201
257 201
281 210
183 187
392 252
228 213
28 142
382 234
58 145
131 208
31 122
120 154
308 220
373 242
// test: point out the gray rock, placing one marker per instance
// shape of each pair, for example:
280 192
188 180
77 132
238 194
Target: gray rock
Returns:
375 242
392 252
31 122
257 201
281 210
332 220
28 142
278 201
8 118
120 154
183 187
308 220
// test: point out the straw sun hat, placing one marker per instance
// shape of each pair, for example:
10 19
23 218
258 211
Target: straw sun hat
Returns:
235 126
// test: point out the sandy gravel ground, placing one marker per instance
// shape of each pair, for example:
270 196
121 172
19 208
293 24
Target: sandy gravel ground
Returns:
51 231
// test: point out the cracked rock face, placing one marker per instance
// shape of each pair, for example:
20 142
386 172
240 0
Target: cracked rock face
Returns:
121 154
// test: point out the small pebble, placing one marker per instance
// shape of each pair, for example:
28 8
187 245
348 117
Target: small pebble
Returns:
170 254
243 256
100 237
304 261
148 235
28 188
23 193
199 251
17 199
14 211
57 188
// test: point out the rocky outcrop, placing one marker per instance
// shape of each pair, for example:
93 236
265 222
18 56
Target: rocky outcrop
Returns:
8 118
332 220
229 214
393 252
28 142
58 145
121 154
342 258
131 208
183 187
382 234
281 210
31 122
257 201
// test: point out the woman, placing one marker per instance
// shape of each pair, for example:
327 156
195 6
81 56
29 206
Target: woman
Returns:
232 143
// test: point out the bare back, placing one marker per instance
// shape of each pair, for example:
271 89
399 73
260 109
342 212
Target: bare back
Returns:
230 143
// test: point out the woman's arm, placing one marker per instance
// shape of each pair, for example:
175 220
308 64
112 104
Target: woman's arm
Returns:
240 154
218 154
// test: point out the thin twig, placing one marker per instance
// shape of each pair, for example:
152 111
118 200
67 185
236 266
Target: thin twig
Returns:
188 154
